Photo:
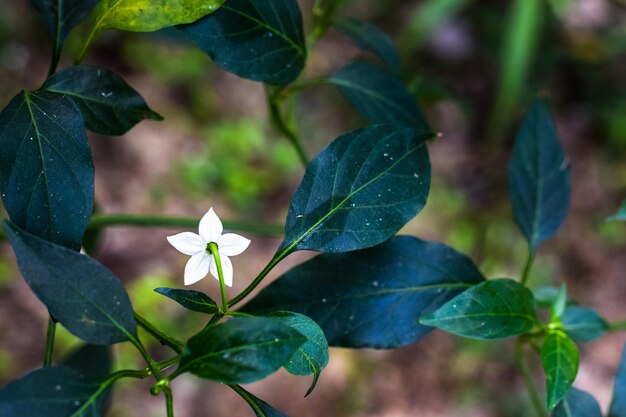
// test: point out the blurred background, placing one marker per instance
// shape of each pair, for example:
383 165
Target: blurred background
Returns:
473 66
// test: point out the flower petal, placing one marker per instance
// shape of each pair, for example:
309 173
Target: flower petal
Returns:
187 243
210 228
197 267
227 270
231 244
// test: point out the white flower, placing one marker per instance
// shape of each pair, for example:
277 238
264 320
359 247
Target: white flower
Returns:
202 261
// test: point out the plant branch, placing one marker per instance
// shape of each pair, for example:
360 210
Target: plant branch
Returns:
524 368
99 221
528 266
279 123
247 398
165 339
617 326
275 260
52 328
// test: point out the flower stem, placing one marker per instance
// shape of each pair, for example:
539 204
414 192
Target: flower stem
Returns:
617 326
165 339
99 221
218 263
52 327
279 123
528 266
524 368
275 260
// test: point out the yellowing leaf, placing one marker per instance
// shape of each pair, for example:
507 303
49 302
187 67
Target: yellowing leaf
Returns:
151 15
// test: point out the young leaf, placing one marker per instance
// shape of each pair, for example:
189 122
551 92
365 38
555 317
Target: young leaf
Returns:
370 38
620 215
260 407
241 350
54 391
583 324
312 356
46 170
190 299
109 105
577 403
379 95
151 15
84 296
61 16
491 310
359 191
260 40
539 182
370 298
559 357
618 403
546 296
560 303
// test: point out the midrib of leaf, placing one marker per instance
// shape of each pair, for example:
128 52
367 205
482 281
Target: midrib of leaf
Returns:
559 376
268 27
538 199
288 249
367 91
57 40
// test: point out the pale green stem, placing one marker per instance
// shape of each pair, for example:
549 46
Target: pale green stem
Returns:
277 121
247 398
617 326
213 250
90 38
528 266
524 368
259 278
165 339
52 327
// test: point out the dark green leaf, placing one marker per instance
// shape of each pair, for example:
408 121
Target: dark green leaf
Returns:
618 403
46 170
583 324
241 350
261 40
577 403
359 191
54 391
109 105
494 309
379 95
93 361
151 15
539 184
84 296
620 215
312 356
260 407
370 38
372 297
61 16
190 299
559 356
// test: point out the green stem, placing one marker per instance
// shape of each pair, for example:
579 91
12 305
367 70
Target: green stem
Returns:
278 122
524 368
52 328
126 373
169 401
260 277
99 221
528 266
247 398
218 263
90 38
303 85
617 326
168 362
165 339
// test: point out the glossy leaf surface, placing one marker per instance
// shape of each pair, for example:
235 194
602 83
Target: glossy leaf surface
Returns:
559 357
260 407
84 296
192 300
260 40
539 183
494 309
373 297
583 324
312 356
109 105
370 38
577 403
151 15
618 402
240 350
46 170
379 95
54 391
61 16
359 191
